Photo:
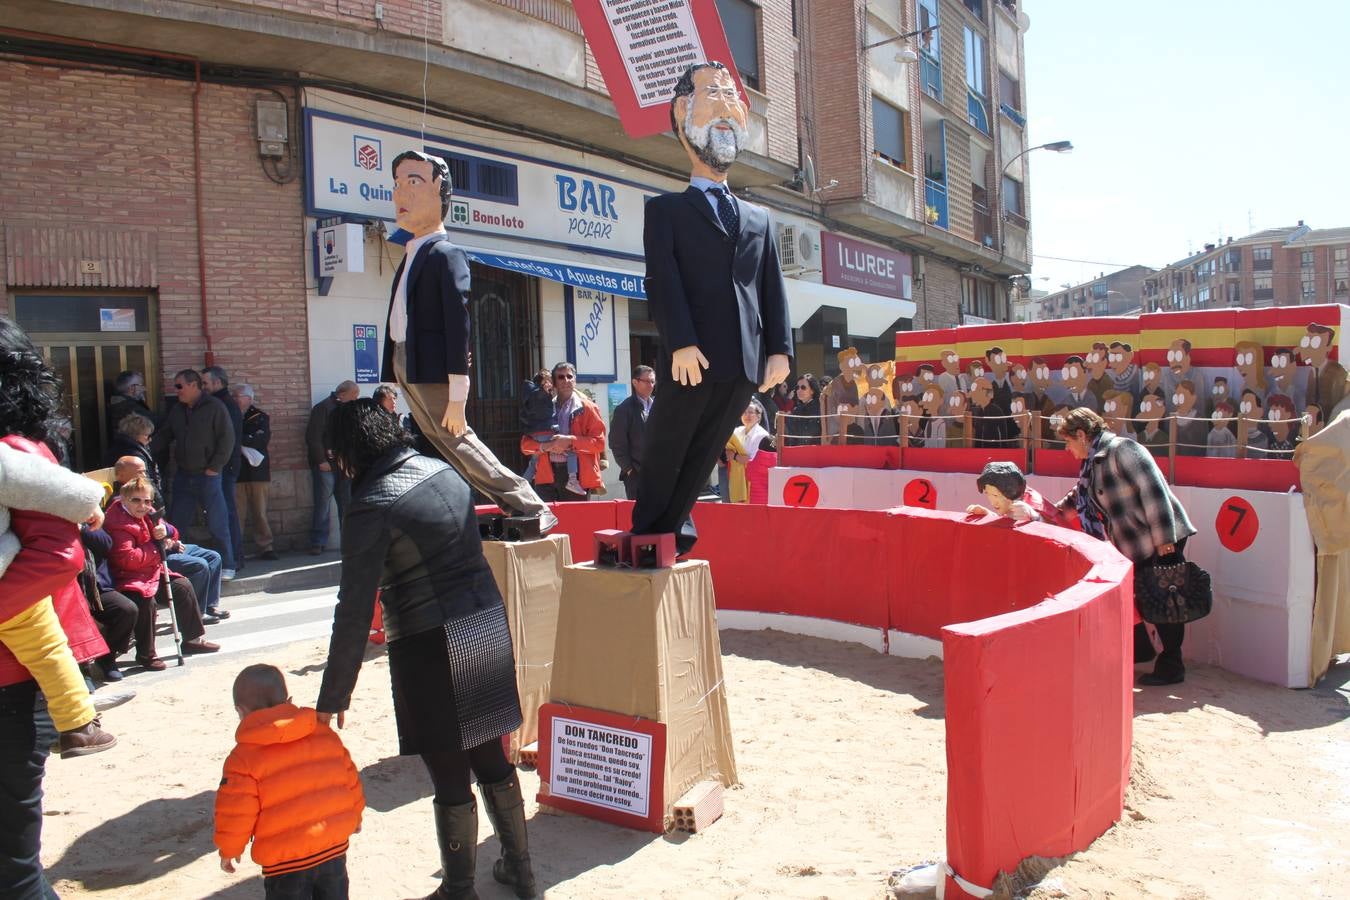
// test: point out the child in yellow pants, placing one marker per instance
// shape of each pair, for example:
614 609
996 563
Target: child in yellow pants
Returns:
35 636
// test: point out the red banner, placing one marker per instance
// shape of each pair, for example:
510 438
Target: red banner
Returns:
642 48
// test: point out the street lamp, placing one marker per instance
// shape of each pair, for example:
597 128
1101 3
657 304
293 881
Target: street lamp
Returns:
906 55
1053 146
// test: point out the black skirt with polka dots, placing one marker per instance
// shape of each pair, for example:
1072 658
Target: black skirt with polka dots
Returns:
455 686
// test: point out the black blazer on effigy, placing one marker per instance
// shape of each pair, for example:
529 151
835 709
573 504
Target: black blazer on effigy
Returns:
438 315
725 296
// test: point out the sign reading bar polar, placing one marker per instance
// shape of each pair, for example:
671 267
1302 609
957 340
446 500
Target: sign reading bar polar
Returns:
642 48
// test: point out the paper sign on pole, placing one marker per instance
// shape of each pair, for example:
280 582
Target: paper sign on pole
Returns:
642 48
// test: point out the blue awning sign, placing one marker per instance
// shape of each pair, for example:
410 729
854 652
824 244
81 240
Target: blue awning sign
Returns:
624 284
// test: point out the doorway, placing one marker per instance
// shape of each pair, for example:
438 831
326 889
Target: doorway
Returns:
505 321
88 339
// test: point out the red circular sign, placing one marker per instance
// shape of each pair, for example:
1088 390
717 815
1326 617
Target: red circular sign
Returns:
801 490
920 492
1236 524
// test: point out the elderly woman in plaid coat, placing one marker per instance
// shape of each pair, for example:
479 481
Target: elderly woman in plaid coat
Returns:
1122 497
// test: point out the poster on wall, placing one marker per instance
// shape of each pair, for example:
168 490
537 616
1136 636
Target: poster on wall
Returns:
591 340
366 349
642 48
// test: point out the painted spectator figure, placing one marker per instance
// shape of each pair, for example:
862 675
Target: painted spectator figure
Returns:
1280 419
1153 435
1326 383
989 420
913 421
1219 392
719 302
1179 369
1152 382
842 394
255 470
1039 399
128 398
1312 417
874 422
580 434
427 333
1117 409
1074 377
931 401
215 380
1124 374
1099 382
1251 411
956 420
198 427
998 377
1191 432
952 379
628 427
1250 362
327 484
1286 379
1221 443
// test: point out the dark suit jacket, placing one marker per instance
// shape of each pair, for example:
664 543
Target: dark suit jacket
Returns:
727 297
880 431
438 315
626 431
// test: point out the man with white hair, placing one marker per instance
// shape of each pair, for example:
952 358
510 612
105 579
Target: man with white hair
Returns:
718 300
255 470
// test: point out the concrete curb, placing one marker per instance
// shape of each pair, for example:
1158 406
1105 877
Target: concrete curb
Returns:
324 574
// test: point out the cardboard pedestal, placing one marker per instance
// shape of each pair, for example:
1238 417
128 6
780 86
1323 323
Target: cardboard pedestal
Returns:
529 575
644 644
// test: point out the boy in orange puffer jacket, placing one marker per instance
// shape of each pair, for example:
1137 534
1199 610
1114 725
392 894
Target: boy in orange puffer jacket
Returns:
290 785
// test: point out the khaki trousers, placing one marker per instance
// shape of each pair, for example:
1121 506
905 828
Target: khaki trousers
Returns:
250 498
470 457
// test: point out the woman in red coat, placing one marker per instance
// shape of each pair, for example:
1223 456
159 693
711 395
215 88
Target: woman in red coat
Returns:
136 563
49 558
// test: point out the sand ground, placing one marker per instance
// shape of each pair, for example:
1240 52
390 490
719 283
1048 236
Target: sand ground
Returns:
1240 789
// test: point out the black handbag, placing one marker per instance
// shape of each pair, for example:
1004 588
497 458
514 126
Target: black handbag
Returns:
1172 594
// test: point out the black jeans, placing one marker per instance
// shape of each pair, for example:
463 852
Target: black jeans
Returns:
26 734
326 881
116 621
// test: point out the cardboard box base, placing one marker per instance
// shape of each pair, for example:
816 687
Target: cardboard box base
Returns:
644 643
529 576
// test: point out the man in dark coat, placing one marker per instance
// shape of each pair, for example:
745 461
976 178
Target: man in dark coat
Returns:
218 383
628 428
254 478
128 398
326 483
719 302
198 426
990 421
426 346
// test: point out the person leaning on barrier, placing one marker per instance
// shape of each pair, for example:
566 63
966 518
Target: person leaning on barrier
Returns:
1122 497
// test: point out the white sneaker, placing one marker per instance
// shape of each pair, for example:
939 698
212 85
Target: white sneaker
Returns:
574 485
107 699
227 574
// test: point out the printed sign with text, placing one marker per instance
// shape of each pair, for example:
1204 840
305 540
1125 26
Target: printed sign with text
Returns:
603 765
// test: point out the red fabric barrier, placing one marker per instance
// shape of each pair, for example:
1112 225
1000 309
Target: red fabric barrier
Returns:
1055 462
847 456
1276 475
959 459
1036 627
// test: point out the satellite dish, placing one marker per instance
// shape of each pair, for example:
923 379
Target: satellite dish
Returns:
809 174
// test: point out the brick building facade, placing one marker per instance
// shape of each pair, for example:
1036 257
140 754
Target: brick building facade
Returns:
134 196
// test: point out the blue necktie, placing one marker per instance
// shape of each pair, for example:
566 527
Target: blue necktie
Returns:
726 211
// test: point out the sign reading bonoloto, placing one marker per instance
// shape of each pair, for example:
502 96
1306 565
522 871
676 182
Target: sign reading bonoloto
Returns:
866 267
505 194
642 48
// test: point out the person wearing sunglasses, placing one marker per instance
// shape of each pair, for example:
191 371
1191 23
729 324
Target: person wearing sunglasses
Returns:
803 423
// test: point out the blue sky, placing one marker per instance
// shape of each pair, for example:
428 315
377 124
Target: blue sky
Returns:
1191 120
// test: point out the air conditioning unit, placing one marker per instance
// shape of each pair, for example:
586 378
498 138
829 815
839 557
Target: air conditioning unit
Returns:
798 248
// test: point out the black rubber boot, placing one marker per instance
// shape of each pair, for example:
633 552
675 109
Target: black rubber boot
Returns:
506 811
457 835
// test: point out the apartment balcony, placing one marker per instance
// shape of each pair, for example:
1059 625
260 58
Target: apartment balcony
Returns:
930 73
984 226
935 198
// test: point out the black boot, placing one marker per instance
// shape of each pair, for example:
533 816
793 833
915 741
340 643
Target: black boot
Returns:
506 812
457 835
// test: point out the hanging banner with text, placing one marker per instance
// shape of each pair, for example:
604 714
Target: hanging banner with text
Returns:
644 46
603 765
591 342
